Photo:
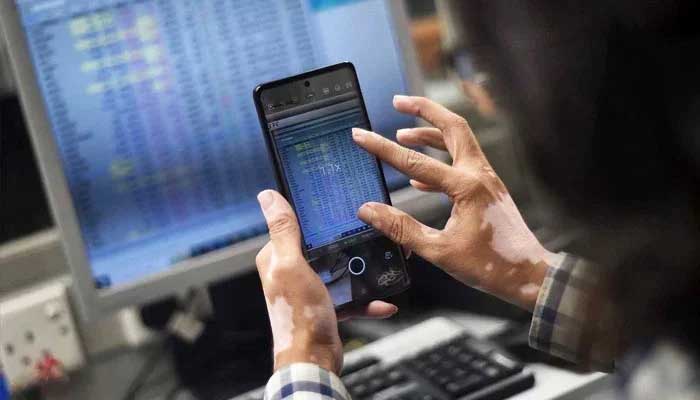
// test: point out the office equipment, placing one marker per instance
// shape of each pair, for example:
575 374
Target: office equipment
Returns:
141 116
39 340
431 360
457 368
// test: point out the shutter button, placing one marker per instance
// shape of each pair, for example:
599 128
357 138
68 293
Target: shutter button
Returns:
356 265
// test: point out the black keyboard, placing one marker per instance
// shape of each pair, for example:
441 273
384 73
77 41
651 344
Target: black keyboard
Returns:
461 368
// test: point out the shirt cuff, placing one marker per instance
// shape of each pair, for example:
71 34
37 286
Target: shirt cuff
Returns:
571 320
305 381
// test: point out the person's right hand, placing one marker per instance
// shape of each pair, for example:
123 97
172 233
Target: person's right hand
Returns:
485 243
302 316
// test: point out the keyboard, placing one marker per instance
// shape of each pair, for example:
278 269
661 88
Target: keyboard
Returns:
433 360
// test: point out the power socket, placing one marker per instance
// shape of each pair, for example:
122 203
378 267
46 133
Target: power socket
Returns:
38 337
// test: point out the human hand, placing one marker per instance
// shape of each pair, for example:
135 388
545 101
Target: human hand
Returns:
302 316
485 243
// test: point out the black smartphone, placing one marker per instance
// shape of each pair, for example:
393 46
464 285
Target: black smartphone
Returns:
307 121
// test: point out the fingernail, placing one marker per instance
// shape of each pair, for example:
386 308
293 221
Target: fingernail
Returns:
399 98
366 213
402 132
407 252
265 198
396 309
359 135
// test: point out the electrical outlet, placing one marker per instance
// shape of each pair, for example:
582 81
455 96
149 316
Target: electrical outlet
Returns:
38 337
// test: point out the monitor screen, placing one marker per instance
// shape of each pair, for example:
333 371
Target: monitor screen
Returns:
150 103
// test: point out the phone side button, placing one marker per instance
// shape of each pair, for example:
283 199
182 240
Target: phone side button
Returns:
356 265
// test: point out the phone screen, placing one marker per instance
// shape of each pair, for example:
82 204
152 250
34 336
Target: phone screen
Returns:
327 177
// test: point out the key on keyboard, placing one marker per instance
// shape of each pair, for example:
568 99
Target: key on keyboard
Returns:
457 369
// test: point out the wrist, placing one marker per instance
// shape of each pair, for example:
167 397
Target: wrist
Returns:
520 283
327 357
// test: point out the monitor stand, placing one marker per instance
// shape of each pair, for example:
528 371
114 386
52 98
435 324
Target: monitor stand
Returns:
233 353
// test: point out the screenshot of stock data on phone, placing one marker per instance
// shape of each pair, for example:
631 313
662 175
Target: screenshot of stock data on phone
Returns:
328 175
150 103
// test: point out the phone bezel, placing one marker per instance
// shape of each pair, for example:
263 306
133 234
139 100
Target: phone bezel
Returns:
275 158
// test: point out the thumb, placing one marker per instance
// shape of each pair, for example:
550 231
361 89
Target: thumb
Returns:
281 220
401 228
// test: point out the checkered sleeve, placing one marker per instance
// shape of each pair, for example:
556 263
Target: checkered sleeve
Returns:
571 319
305 381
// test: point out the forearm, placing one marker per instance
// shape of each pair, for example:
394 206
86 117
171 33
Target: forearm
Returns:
522 288
517 283
306 351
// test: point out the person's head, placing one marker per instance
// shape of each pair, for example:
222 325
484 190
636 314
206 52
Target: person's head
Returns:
605 97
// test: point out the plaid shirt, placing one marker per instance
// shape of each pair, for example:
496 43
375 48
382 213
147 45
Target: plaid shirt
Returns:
305 381
570 321
560 326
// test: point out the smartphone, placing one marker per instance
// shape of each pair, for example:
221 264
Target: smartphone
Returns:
307 120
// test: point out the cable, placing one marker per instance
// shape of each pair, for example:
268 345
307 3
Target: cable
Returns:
145 372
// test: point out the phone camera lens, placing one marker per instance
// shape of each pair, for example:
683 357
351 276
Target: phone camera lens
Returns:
307 84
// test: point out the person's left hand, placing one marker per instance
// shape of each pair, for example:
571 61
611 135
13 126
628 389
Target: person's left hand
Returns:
302 316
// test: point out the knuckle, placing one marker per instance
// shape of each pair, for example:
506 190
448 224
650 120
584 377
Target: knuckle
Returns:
449 181
413 160
480 190
295 260
259 259
458 123
463 191
460 192
419 102
281 224
397 230
385 147
262 258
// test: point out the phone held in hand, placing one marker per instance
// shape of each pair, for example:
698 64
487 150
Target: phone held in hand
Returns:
307 121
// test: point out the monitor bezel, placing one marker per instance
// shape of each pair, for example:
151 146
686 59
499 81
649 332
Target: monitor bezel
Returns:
93 303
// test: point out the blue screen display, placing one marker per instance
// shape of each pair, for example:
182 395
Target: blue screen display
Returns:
328 175
151 109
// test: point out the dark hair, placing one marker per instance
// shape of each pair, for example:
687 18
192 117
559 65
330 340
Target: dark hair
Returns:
605 97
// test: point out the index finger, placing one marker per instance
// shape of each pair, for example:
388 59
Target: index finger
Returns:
410 162
458 136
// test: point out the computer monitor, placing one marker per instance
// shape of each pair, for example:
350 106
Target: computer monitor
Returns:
142 119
